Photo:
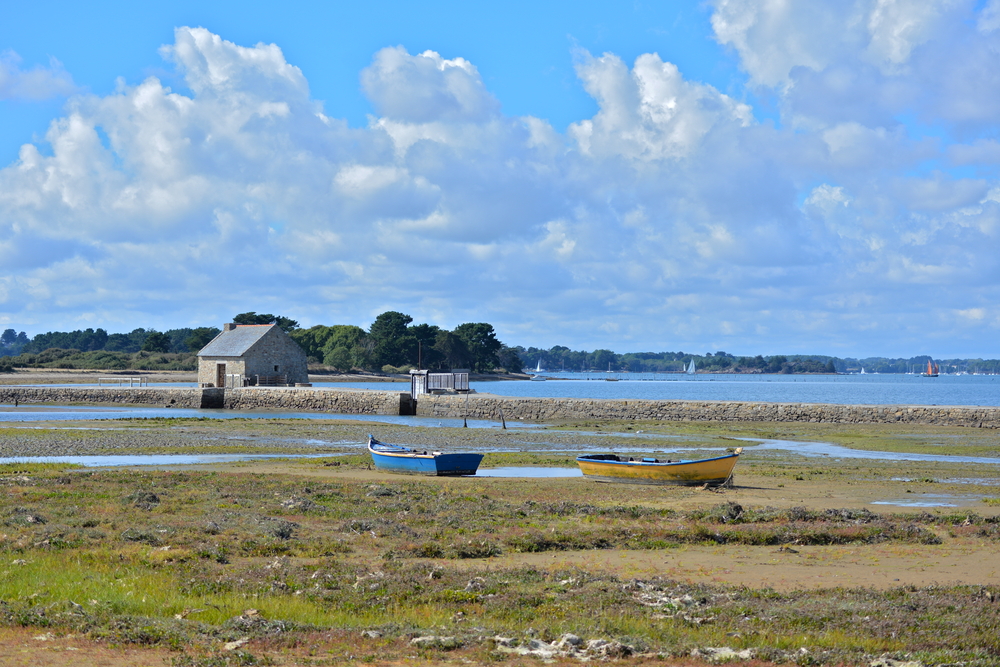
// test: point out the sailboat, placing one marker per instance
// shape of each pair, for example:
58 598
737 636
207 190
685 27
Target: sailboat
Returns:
538 369
690 368
932 370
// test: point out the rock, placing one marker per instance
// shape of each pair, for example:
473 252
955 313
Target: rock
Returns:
371 634
609 649
298 504
432 641
568 642
890 662
722 654
232 646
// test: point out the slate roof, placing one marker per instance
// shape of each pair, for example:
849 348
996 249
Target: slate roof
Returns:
235 343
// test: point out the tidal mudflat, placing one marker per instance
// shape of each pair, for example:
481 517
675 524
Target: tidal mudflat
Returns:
810 558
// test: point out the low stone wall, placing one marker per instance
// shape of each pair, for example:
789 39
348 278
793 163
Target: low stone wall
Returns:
251 398
303 399
554 409
152 396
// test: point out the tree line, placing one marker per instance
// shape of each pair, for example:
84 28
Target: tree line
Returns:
561 358
177 341
394 343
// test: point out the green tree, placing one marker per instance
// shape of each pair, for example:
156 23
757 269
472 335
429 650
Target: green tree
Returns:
339 358
312 340
426 337
156 342
509 360
346 336
453 351
603 360
287 325
363 353
482 343
201 337
775 364
392 343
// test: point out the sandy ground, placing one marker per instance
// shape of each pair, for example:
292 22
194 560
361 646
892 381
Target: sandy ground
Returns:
956 561
34 647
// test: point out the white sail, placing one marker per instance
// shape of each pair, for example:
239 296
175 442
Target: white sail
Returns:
690 369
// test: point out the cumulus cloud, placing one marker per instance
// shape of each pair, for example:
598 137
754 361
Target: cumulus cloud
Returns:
870 61
37 83
671 219
426 87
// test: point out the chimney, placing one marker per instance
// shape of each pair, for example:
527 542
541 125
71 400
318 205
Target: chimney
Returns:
229 326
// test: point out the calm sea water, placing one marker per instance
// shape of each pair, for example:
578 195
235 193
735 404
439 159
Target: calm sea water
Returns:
983 390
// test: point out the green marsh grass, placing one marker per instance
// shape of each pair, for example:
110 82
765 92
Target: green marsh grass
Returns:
120 554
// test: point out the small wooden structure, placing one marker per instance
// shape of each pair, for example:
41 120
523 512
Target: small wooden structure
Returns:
450 382
122 381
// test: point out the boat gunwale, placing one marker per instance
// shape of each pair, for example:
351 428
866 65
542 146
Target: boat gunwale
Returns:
587 459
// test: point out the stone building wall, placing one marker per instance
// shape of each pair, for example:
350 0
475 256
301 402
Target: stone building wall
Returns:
277 349
207 368
274 349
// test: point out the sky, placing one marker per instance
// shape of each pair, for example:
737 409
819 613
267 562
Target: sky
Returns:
757 177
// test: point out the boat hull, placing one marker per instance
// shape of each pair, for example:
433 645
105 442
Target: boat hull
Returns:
433 464
612 468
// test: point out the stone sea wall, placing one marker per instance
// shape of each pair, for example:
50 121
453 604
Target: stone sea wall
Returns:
300 399
554 409
348 401
304 399
145 396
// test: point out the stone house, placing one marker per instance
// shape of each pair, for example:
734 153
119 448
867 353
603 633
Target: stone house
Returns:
251 354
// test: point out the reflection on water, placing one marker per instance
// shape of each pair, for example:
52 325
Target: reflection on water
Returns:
869 389
836 451
30 413
872 389
932 500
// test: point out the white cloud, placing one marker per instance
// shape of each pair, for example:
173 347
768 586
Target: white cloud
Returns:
650 112
37 83
669 218
426 87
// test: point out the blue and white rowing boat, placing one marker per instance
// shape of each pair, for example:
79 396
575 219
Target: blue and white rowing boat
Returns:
397 458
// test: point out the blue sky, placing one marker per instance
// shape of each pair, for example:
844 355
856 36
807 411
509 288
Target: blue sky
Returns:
757 177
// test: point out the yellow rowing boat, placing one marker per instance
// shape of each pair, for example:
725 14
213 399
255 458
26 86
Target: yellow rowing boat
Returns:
614 468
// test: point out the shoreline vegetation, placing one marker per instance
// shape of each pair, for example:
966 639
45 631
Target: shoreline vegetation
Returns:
393 344
320 561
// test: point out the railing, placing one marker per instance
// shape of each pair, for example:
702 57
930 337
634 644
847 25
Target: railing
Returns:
120 381
272 380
